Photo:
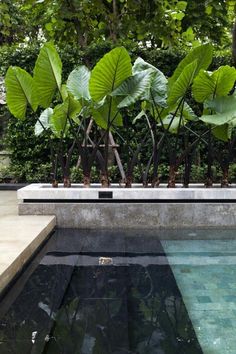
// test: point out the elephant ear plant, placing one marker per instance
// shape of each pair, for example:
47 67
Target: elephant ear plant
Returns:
165 107
179 86
81 98
107 75
42 90
66 111
213 90
148 84
153 104
21 92
112 87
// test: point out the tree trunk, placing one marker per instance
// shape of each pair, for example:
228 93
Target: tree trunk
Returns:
225 177
209 177
114 22
128 182
225 158
234 43
155 182
67 182
104 180
187 170
87 180
54 183
172 174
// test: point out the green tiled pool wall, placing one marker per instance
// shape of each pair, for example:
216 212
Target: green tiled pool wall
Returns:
206 278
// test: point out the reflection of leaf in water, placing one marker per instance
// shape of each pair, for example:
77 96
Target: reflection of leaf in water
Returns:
153 346
159 322
150 307
85 326
19 341
46 309
67 328
88 344
141 282
111 294
114 307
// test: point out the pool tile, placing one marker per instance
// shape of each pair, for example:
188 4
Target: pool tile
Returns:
230 298
209 291
224 322
204 299
185 270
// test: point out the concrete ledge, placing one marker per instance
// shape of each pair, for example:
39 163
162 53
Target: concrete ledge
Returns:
45 192
136 207
136 215
11 186
20 238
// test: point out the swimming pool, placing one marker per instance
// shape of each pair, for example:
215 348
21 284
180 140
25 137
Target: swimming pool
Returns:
99 292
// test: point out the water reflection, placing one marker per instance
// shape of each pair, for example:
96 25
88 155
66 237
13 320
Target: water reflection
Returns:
72 305
125 309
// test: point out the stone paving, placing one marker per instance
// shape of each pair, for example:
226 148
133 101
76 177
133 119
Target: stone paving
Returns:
19 236
208 287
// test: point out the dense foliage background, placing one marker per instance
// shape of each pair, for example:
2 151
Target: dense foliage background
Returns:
83 22
161 32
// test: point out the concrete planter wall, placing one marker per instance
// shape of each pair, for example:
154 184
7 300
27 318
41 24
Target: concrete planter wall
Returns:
136 207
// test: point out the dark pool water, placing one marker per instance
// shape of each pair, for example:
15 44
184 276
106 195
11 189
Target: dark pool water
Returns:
69 302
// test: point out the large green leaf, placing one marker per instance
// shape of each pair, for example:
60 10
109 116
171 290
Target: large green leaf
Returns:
140 65
173 128
47 74
222 132
133 88
101 114
203 54
224 79
183 83
59 119
222 104
188 113
43 122
78 83
21 91
64 92
109 73
74 108
203 86
220 119
167 116
158 87
139 116
209 85
225 117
